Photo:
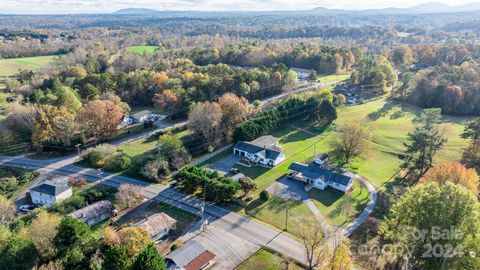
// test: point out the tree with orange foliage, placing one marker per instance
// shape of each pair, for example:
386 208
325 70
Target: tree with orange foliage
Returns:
234 109
160 79
453 172
167 100
100 118
110 237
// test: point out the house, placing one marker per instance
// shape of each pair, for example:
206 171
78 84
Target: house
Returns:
321 159
192 256
50 193
302 74
157 225
318 177
263 150
141 116
95 213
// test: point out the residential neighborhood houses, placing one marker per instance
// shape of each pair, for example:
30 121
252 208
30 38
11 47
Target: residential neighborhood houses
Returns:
320 178
50 193
157 225
264 150
95 213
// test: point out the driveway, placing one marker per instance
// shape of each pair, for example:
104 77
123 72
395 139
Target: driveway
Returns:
288 189
223 166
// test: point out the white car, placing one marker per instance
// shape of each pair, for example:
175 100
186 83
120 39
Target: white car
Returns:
27 208
351 100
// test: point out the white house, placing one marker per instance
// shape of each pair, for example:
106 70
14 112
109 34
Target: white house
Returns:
318 177
157 225
263 150
302 73
141 116
50 193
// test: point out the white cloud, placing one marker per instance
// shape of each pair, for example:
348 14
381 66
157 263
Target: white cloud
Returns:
95 6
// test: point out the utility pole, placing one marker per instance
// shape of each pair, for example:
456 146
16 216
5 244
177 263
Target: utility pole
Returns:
204 223
78 148
286 219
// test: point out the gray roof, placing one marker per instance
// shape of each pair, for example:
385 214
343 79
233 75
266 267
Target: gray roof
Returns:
301 70
141 114
184 255
313 171
51 188
156 223
93 211
263 146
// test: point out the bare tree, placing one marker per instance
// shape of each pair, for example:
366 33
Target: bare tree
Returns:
129 195
351 142
205 119
7 211
314 241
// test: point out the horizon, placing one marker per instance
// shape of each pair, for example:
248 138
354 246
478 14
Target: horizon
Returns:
34 7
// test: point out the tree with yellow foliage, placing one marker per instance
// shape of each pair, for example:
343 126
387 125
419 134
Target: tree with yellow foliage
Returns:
133 239
42 230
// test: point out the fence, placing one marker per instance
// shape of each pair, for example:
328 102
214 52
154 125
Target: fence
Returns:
211 155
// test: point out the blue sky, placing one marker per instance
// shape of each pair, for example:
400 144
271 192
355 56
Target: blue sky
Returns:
96 6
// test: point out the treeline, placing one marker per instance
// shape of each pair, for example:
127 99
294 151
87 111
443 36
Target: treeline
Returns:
322 59
455 89
294 108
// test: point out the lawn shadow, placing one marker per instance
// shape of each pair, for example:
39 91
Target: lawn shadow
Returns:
326 197
381 112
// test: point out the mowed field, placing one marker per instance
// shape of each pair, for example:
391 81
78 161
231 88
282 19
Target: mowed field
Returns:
10 67
389 123
142 49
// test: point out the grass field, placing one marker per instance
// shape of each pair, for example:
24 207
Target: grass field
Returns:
142 49
10 67
333 78
266 260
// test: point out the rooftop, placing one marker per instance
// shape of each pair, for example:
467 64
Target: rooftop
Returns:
51 189
190 255
156 223
314 171
301 70
93 211
263 146
141 114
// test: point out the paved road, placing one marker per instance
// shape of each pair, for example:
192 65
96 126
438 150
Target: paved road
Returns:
244 228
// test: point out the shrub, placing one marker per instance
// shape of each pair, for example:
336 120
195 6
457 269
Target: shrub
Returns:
264 195
118 162
155 170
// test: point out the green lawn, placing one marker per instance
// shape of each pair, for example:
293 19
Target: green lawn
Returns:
266 260
142 49
333 78
10 67
389 123
330 203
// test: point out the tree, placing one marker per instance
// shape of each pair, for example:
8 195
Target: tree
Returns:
424 143
149 259
167 100
433 215
116 258
129 194
315 244
453 172
327 111
54 124
205 119
100 118
234 111
351 142
110 237
247 185
472 131
67 98
70 240
52 265
133 239
19 254
341 259
471 156
42 231
402 56
341 99
7 211
156 169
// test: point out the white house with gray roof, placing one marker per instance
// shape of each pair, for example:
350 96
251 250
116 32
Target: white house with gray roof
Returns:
50 193
263 150
318 177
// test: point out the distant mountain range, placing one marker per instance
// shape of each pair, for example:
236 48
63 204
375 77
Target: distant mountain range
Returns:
427 8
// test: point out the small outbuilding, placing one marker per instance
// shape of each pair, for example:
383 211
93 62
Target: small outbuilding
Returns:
95 213
192 256
157 225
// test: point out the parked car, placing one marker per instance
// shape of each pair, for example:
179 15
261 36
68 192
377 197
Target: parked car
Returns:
234 170
26 208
